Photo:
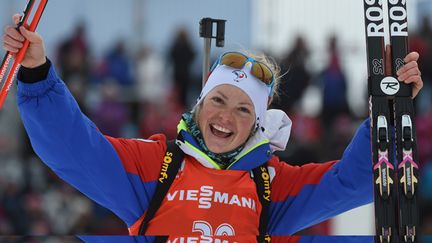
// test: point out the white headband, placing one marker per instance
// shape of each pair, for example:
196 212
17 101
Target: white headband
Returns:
242 78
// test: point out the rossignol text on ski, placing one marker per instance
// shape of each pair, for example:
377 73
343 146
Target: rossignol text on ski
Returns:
396 176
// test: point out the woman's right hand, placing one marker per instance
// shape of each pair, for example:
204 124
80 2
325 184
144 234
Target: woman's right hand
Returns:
13 40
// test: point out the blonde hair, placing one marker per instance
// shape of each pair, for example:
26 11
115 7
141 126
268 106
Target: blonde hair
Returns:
273 65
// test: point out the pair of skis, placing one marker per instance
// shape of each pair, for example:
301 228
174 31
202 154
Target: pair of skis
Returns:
394 151
16 61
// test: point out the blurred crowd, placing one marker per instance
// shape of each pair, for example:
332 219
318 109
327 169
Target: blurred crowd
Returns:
139 92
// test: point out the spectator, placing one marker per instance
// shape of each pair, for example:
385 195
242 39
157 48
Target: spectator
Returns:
334 87
116 65
110 115
73 54
297 78
181 55
152 82
73 58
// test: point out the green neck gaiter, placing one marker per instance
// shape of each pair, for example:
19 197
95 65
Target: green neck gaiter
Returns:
222 159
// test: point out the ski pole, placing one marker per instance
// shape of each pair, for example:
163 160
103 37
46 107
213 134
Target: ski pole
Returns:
8 56
21 53
206 31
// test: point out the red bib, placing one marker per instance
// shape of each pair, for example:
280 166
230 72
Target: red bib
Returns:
209 202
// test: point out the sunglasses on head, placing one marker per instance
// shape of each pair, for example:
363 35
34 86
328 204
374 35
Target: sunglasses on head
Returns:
238 60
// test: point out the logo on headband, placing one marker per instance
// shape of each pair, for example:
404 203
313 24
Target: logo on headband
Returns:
239 75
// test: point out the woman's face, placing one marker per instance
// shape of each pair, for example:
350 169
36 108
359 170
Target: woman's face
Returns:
226 118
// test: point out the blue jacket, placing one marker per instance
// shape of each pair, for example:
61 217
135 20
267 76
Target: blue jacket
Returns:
72 146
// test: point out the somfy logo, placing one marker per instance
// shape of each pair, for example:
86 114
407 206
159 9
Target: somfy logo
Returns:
390 85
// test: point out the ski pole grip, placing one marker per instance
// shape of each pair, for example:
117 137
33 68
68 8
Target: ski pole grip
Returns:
206 28
206 32
21 53
220 32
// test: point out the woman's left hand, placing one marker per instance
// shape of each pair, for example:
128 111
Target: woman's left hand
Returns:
410 73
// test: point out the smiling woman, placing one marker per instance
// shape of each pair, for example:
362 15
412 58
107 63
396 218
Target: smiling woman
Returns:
229 185
226 118
232 105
